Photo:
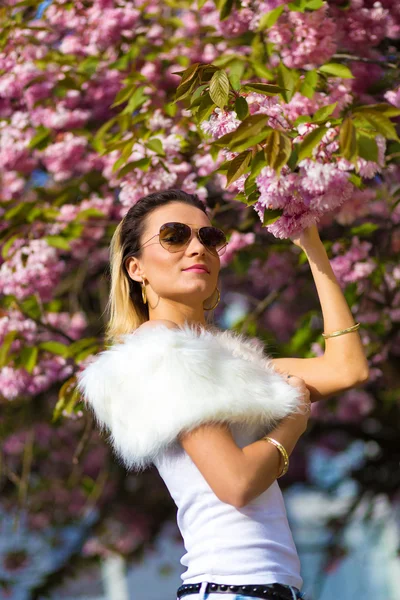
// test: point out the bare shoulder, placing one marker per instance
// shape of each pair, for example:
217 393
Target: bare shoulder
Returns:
155 322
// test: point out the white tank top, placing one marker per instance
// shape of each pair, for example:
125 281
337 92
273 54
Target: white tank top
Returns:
225 544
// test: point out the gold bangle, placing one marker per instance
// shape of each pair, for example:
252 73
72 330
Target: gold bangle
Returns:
341 331
283 453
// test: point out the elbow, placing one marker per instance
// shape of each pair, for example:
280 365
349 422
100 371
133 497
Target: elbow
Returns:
364 376
359 378
236 499
238 496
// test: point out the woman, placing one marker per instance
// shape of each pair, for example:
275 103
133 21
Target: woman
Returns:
216 415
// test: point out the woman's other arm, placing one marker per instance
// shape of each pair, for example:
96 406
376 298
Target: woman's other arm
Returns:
238 475
343 364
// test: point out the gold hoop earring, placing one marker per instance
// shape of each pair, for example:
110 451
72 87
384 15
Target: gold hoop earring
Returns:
144 295
217 302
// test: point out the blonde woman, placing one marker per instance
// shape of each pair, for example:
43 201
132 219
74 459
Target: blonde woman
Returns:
217 416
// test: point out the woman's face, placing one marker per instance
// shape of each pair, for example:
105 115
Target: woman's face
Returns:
164 270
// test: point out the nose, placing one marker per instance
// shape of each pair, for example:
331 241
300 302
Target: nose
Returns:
195 243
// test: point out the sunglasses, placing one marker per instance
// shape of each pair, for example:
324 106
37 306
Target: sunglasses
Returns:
175 236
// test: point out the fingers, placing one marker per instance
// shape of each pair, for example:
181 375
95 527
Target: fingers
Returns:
305 392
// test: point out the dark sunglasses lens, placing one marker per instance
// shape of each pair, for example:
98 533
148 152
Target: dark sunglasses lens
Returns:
174 236
213 238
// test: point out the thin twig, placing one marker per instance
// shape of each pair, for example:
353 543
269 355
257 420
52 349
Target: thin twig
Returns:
366 60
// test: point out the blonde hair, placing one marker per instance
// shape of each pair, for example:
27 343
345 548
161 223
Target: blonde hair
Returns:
125 307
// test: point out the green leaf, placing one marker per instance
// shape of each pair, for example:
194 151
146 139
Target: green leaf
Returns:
303 5
258 163
155 144
205 109
261 70
287 79
57 241
250 126
277 150
55 348
270 18
137 99
337 70
305 148
356 180
323 113
28 357
81 344
89 212
98 140
347 139
236 70
41 139
252 198
309 84
142 163
186 88
89 65
31 308
250 141
250 185
271 215
68 397
364 230
196 96
226 9
264 88
189 73
123 95
381 123
7 245
387 109
238 167
241 108
219 88
367 148
5 347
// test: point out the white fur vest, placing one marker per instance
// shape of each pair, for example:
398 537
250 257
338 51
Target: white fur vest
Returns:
159 382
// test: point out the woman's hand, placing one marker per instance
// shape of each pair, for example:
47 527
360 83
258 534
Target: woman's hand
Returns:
302 417
306 237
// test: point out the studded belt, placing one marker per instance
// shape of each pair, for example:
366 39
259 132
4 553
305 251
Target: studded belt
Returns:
270 591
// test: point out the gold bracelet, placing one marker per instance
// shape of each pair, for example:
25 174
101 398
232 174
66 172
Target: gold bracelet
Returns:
341 331
283 453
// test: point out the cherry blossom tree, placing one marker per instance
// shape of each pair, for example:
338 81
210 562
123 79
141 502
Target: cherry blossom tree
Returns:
278 115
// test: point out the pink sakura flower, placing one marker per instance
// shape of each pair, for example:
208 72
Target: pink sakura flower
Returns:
393 96
220 123
305 39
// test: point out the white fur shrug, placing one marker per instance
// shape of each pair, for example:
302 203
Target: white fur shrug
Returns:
159 382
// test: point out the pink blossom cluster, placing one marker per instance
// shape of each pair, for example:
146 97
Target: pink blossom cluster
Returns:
365 23
93 29
17 382
393 96
355 264
352 405
93 229
321 184
32 267
271 274
304 39
138 182
236 242
14 144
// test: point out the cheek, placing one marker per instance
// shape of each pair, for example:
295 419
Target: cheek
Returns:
162 263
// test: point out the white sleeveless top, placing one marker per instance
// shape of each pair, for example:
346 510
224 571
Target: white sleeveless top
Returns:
225 544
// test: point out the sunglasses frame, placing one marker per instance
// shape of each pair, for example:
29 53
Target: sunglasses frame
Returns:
197 230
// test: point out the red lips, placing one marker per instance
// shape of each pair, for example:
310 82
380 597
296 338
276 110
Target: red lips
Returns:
197 266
